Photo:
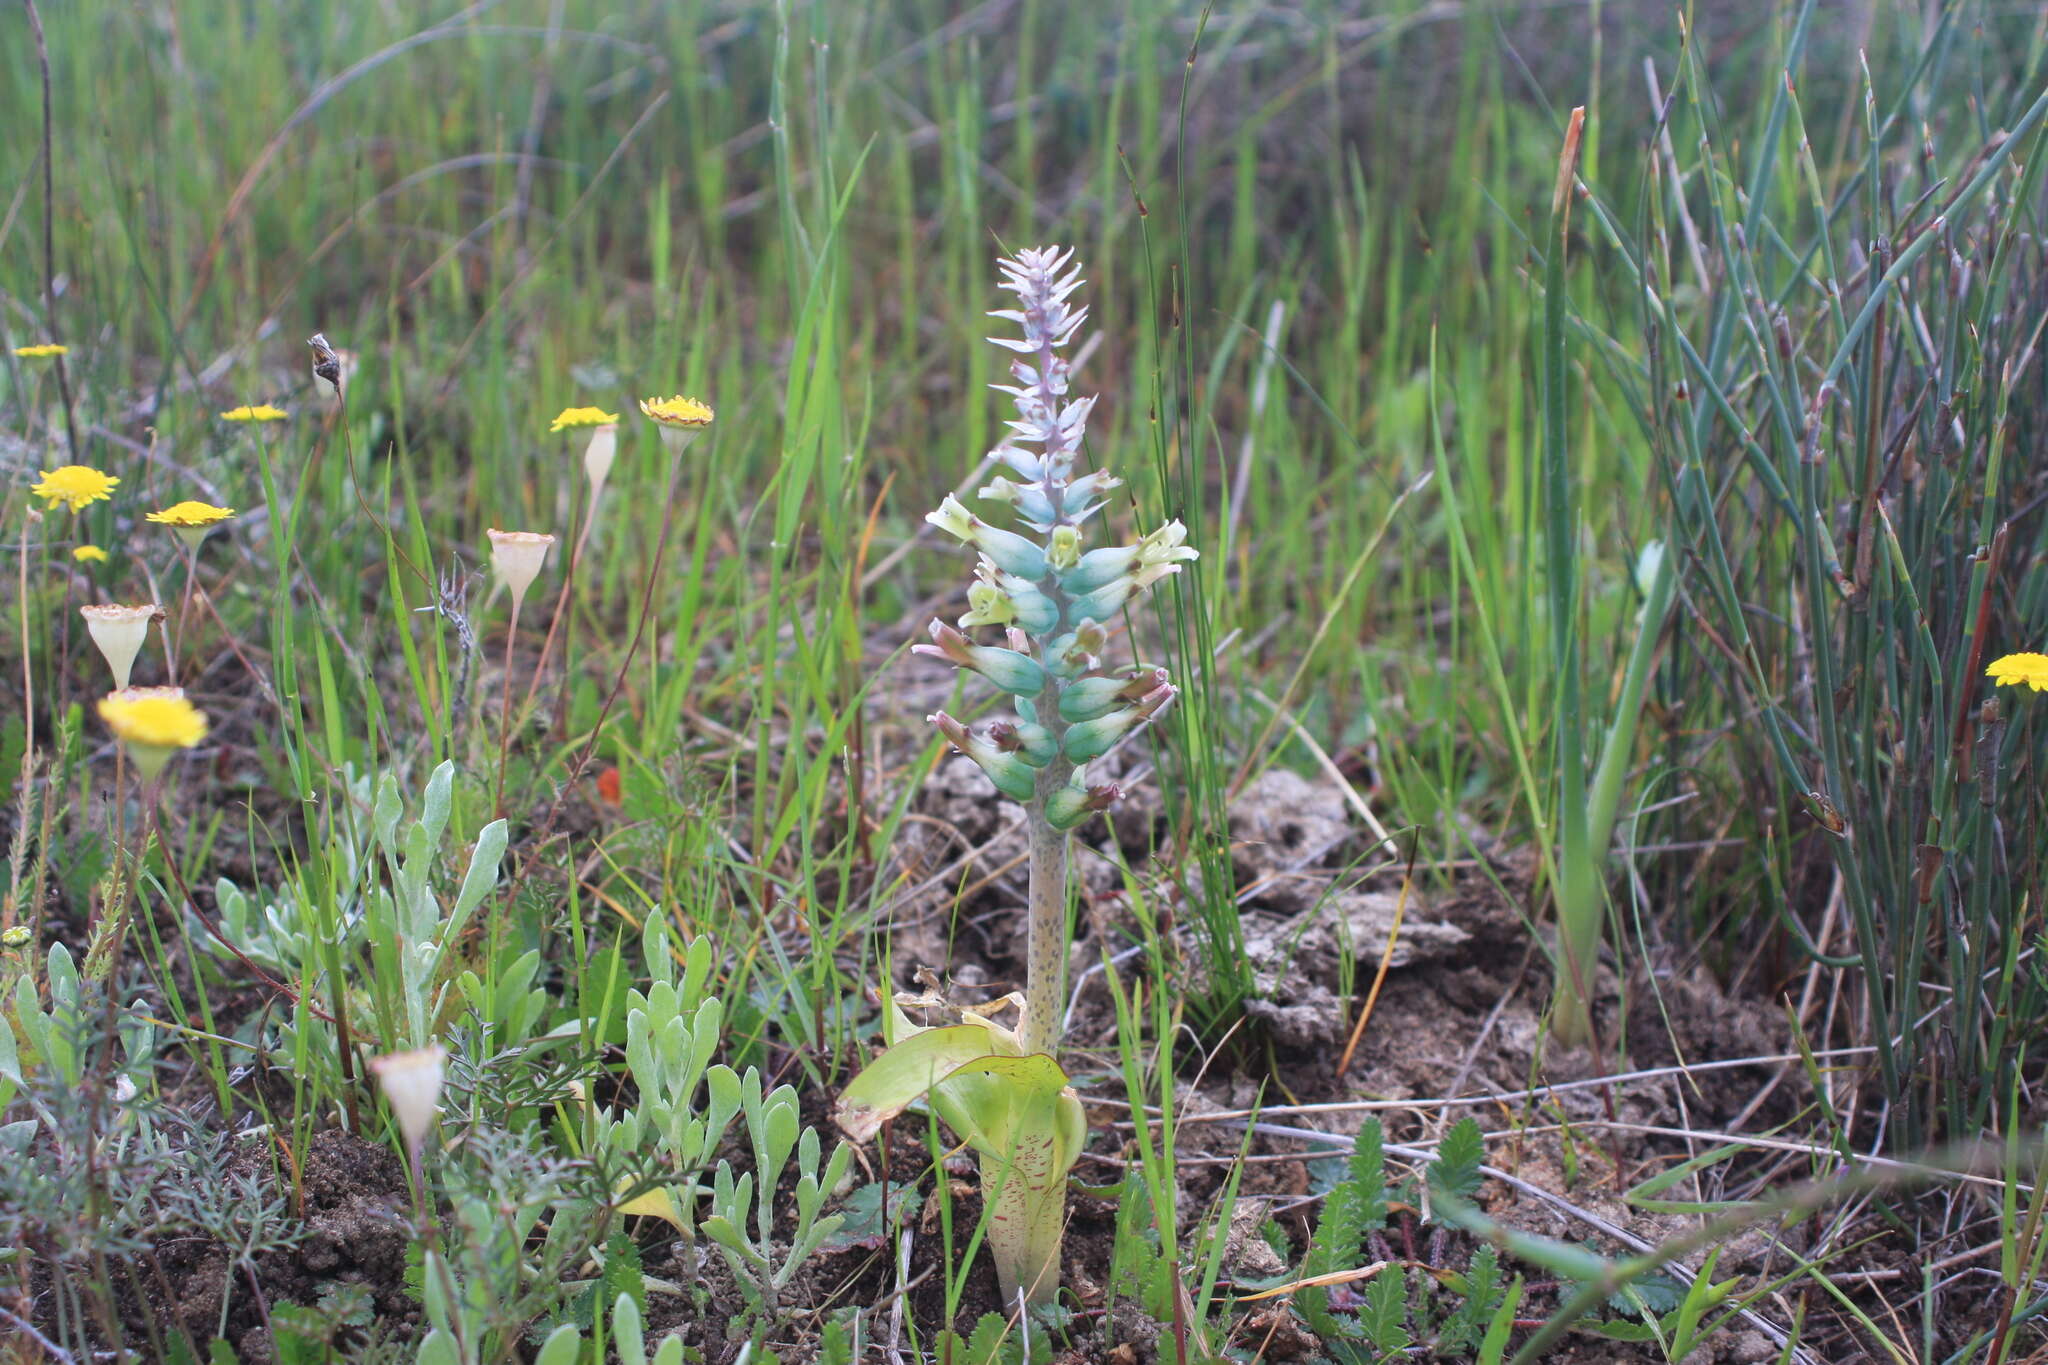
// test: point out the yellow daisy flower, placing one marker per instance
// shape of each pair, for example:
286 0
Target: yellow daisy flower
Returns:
262 412
688 413
2017 669
192 520
581 417
680 418
75 485
89 554
40 351
152 723
190 514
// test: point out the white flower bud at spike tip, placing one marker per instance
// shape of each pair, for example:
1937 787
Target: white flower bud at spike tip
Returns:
517 556
119 632
598 456
412 1084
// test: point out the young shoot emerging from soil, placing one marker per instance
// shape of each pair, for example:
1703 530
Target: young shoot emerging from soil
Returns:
1000 1089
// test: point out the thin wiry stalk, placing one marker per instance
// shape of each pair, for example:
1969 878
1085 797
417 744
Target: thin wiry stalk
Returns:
35 25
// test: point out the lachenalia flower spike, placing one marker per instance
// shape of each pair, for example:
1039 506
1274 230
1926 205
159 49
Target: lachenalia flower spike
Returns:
1050 595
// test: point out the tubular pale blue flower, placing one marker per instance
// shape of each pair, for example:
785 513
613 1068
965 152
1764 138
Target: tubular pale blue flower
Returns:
1098 568
1073 655
1035 744
1092 739
1004 599
1008 669
1012 775
1072 804
1111 598
1029 500
1087 494
1087 698
1011 552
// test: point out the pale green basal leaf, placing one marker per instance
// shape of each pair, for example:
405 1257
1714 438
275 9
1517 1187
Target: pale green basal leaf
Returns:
697 963
564 1346
10 1063
384 813
434 802
779 1137
661 968
626 1337
440 1349
724 1087
707 1026
483 871
907 1072
63 974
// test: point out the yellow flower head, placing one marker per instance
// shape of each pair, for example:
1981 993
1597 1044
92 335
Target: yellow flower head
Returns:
89 554
153 722
2015 669
582 417
41 351
688 413
262 412
75 485
191 515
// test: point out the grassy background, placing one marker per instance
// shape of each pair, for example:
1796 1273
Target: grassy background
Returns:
1316 257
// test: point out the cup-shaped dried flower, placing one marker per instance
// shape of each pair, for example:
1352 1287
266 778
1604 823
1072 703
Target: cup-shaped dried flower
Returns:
74 485
411 1082
2020 670
518 556
598 457
679 418
152 723
192 520
119 632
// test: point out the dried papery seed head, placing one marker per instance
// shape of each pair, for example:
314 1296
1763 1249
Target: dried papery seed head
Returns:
327 363
119 632
518 556
412 1082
